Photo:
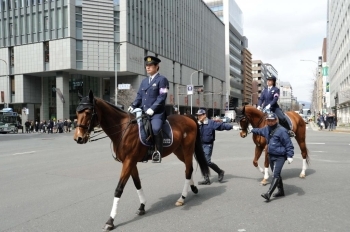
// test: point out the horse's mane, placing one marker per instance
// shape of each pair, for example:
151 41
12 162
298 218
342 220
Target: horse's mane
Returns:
113 106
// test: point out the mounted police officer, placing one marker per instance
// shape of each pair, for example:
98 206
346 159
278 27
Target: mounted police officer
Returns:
280 148
268 100
151 98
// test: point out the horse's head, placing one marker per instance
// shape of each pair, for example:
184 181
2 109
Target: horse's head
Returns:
242 120
86 118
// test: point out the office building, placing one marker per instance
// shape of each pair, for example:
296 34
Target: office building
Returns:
51 50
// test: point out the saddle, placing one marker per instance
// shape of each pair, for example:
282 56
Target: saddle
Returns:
146 133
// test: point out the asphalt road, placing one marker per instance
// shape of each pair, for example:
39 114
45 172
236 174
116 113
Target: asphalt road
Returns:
50 183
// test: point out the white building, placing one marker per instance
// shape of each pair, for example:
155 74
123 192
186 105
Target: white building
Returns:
338 57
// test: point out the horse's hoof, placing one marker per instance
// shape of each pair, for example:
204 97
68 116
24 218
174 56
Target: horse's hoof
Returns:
108 227
263 182
302 176
179 203
194 189
140 212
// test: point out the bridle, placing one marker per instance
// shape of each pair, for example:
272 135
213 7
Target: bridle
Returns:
90 106
249 121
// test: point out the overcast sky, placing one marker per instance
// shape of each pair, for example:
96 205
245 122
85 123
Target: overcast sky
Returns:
284 32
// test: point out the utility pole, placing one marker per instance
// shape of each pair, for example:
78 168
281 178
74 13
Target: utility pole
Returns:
116 73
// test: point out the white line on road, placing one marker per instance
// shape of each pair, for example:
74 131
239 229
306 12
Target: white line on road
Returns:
316 143
22 153
317 151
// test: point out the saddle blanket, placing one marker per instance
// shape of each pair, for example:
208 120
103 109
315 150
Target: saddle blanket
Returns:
166 129
289 121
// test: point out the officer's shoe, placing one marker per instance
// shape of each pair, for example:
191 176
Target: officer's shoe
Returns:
291 133
206 181
221 175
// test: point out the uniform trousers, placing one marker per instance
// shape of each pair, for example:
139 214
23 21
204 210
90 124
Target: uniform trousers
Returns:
156 125
276 164
208 150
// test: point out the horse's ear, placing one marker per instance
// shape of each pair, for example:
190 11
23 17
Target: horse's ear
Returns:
91 95
243 109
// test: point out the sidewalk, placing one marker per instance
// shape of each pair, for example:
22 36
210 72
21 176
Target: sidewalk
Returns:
337 128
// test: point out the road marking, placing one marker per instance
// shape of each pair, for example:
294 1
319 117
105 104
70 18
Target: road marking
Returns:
316 143
22 153
317 151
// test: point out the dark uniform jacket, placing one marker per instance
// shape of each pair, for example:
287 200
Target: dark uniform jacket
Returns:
153 95
271 98
208 127
280 143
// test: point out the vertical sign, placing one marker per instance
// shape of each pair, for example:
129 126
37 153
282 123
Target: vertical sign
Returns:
189 89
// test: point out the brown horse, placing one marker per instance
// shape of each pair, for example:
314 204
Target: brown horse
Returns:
250 115
122 129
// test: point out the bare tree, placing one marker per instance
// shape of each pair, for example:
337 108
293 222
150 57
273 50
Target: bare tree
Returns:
126 97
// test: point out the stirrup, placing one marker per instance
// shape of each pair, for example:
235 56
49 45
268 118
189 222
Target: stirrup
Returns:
154 156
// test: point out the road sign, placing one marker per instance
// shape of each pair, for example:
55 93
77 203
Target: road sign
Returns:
124 86
189 89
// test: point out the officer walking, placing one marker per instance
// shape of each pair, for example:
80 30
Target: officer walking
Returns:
151 98
207 129
280 148
268 100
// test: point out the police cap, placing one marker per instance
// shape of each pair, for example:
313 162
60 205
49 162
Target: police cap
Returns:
271 116
151 60
272 77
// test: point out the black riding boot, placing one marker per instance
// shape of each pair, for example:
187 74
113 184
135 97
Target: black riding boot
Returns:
285 124
157 156
218 171
280 192
206 181
272 188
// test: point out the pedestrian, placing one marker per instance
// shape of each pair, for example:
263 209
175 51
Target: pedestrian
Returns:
268 101
279 148
207 130
151 98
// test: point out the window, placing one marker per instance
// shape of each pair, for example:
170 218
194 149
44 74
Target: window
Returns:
52 16
116 21
40 22
34 23
79 45
46 23
12 57
78 17
65 17
46 51
11 29
28 24
59 18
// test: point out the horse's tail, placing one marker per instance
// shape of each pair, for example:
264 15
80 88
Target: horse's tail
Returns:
198 151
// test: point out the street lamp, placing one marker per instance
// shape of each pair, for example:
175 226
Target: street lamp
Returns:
116 73
192 84
8 82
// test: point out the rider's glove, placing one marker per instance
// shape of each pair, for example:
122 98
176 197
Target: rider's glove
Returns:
150 112
290 160
259 107
199 122
268 107
130 109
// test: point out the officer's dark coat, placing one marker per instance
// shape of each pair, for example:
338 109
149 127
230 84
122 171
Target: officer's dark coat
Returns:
271 98
153 95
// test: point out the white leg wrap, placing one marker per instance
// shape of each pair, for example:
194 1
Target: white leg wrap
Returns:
186 186
141 196
115 207
191 181
260 169
266 173
304 165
